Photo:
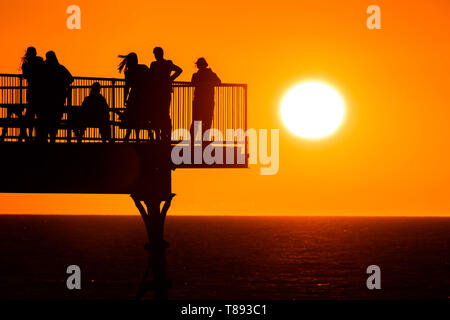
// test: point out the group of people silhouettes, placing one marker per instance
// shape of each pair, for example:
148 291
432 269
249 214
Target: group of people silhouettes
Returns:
148 93
147 96
48 85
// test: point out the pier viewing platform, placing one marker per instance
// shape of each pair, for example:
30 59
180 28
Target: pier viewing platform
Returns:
87 165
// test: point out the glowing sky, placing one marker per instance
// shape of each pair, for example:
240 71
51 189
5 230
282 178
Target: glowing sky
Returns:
391 156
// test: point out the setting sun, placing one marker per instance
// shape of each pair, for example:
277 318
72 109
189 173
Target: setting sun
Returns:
312 110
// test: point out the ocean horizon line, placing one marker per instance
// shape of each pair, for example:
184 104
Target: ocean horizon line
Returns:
227 215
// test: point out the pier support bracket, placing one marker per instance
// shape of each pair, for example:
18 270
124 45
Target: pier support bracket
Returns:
154 217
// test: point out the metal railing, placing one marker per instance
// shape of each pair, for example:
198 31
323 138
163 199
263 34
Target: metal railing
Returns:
230 110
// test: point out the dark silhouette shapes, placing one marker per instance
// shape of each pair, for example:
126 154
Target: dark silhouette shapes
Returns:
154 218
142 170
162 74
136 94
94 112
33 72
204 81
147 99
57 84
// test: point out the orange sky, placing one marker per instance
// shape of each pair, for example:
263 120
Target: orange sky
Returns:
390 157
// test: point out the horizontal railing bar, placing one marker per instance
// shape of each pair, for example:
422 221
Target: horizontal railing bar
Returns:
229 108
175 83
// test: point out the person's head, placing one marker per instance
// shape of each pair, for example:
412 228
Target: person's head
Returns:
29 54
201 63
128 61
159 53
51 59
95 88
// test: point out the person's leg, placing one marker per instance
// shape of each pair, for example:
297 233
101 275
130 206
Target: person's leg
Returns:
55 123
102 134
30 115
53 133
207 121
166 129
4 131
127 135
191 130
151 133
138 132
45 131
80 133
43 124
23 126
5 128
166 122
39 127
53 126
30 121
105 133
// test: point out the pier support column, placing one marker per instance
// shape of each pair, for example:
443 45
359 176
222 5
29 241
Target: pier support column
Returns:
154 217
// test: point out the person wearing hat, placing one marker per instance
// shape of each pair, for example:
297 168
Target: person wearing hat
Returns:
204 81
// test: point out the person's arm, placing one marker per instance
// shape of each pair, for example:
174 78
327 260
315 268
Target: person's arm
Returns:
216 80
84 103
67 77
126 89
105 108
177 71
25 71
194 79
152 66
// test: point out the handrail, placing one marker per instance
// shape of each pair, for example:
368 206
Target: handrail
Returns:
230 103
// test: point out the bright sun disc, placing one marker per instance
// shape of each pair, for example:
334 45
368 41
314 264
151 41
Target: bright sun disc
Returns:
312 110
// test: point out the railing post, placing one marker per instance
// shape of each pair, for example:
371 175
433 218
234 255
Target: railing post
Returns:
113 107
69 105
69 97
22 131
245 124
21 88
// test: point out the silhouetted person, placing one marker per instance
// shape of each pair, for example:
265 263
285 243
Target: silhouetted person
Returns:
136 94
32 71
94 113
204 81
57 82
163 73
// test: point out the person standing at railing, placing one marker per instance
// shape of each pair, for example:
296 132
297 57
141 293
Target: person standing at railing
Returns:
57 82
162 72
204 81
136 92
33 72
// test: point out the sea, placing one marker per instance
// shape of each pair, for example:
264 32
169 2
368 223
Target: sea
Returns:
276 258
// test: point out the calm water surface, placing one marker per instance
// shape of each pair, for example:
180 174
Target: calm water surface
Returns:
228 257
